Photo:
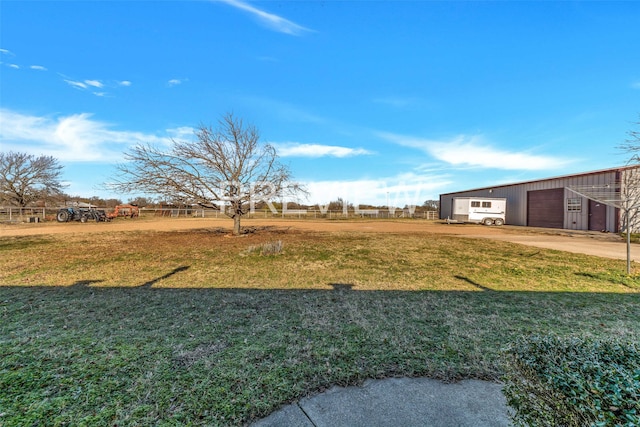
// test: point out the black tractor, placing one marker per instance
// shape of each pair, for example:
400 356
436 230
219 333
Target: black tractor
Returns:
82 215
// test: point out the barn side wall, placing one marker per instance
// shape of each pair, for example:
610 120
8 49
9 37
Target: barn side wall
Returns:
517 199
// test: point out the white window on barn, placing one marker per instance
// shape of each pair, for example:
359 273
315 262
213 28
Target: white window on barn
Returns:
475 204
574 204
486 204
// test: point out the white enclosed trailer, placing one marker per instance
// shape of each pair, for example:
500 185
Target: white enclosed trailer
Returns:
479 210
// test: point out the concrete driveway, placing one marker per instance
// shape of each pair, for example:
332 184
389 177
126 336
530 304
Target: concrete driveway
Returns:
604 245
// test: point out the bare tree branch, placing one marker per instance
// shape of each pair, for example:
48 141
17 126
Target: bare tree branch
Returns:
25 178
632 144
630 188
226 167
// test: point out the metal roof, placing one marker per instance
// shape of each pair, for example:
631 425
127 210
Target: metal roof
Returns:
620 168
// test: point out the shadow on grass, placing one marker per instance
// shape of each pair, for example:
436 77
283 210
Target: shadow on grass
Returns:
476 284
341 286
150 283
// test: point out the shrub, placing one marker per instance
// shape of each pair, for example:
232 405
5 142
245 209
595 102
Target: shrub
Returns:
554 381
268 248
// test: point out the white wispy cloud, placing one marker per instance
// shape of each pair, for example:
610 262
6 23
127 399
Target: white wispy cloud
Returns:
76 84
94 83
183 132
175 82
473 151
38 67
14 66
295 149
270 20
90 85
6 52
397 190
74 138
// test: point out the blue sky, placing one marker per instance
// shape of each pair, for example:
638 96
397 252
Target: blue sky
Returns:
365 100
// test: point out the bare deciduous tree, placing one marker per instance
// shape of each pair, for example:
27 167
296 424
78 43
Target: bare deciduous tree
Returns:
25 178
630 189
225 168
632 144
624 194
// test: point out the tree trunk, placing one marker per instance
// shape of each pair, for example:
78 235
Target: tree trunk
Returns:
236 225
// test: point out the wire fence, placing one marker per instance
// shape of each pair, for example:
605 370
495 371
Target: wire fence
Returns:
40 214
13 214
296 213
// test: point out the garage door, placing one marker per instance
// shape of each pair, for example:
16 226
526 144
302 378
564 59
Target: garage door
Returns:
545 208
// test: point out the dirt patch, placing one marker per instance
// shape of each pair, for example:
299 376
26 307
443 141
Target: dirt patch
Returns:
606 245
220 225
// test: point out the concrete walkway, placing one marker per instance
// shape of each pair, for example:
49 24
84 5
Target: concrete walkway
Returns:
398 402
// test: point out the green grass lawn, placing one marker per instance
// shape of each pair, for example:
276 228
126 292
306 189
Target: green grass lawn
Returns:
198 328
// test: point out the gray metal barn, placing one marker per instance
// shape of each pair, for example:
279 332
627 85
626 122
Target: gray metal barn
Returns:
554 202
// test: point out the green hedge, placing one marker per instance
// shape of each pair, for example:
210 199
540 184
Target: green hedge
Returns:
554 381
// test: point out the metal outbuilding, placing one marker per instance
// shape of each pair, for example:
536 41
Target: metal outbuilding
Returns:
559 202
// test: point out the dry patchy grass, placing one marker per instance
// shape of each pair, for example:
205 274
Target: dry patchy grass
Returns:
191 327
209 258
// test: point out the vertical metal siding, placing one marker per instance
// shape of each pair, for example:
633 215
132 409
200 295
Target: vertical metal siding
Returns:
516 196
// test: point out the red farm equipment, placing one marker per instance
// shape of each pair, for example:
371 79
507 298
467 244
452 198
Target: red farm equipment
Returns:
124 211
